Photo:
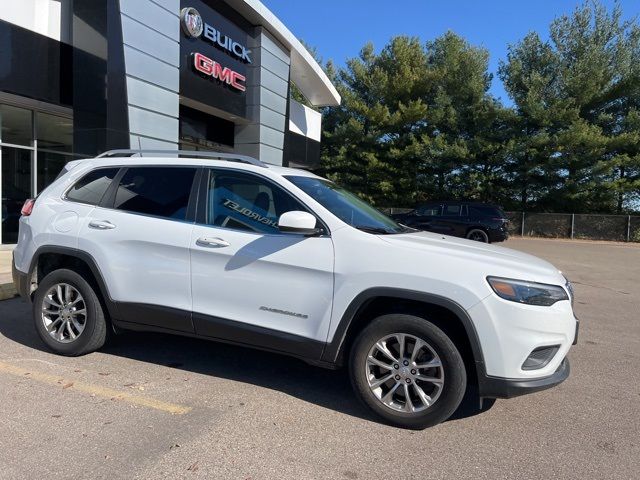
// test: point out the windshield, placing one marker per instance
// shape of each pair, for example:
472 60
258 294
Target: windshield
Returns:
347 206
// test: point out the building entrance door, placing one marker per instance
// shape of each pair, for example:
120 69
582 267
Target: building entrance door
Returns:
34 147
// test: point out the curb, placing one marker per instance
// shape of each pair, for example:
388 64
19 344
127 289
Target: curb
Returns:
7 291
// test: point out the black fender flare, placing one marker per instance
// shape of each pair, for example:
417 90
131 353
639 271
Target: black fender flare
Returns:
85 258
334 348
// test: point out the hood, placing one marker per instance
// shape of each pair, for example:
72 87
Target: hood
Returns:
500 261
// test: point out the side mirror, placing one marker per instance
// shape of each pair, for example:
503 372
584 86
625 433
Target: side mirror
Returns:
302 223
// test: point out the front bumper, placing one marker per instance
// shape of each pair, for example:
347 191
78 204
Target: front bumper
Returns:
494 387
20 281
509 332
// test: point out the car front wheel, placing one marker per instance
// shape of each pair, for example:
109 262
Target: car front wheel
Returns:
407 371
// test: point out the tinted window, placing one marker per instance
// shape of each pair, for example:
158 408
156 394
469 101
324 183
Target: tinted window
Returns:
430 210
485 211
452 210
91 188
246 202
158 191
346 206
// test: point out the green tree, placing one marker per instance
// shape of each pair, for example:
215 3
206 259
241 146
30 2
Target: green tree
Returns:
366 138
466 126
576 144
415 122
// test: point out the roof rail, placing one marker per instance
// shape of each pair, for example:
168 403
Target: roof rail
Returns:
230 157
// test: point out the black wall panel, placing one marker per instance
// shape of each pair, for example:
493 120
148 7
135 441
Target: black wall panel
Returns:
35 66
101 120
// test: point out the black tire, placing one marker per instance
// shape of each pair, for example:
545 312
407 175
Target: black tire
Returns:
453 368
94 334
478 235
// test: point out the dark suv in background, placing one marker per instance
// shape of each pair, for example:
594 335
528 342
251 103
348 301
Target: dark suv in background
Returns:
482 222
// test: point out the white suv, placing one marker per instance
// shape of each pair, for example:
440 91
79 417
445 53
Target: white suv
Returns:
227 248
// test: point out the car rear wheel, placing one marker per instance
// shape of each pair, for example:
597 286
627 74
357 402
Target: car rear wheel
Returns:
478 235
68 315
407 371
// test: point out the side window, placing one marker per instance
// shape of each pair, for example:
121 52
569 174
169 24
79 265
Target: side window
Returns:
430 210
246 202
452 210
159 191
92 187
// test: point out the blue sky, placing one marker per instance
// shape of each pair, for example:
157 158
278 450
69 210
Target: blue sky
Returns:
338 29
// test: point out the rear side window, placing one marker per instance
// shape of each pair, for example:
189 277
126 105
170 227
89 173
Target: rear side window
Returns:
452 210
158 191
91 188
485 211
429 210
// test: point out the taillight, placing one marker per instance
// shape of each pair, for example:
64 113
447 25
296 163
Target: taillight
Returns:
27 208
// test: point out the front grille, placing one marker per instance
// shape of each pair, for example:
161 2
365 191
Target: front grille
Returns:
540 357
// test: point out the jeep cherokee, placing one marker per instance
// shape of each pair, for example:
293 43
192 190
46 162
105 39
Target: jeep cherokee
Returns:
225 247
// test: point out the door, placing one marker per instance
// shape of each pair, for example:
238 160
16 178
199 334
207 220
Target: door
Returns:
252 284
426 217
140 236
451 223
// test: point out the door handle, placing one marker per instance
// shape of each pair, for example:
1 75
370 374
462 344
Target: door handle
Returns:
101 224
212 242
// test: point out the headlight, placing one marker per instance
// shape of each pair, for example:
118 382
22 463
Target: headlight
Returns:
527 292
569 287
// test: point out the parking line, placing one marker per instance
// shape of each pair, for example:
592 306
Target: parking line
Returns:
92 389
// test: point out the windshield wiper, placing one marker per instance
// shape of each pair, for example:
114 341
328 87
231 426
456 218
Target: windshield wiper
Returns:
377 230
406 229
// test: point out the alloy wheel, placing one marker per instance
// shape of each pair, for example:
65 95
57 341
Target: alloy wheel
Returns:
478 236
64 312
404 373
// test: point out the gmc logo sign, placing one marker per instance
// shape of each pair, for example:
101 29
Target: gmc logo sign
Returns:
213 69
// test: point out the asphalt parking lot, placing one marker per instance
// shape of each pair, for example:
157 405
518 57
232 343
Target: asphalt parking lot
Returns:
155 406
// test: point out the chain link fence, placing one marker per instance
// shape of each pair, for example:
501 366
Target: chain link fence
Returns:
619 228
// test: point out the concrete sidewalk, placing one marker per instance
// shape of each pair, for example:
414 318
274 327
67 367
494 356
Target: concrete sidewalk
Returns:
7 290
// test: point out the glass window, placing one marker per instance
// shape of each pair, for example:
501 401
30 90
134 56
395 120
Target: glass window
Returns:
485 211
452 210
16 188
347 206
16 126
54 132
429 210
92 187
159 191
247 202
201 129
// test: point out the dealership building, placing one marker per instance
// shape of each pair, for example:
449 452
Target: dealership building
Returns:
79 77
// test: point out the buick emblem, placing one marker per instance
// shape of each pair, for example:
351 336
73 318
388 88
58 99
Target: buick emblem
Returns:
191 21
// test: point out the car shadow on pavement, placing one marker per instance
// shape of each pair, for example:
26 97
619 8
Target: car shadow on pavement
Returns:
327 388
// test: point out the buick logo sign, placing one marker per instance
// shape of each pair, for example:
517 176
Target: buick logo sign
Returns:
191 21
195 27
